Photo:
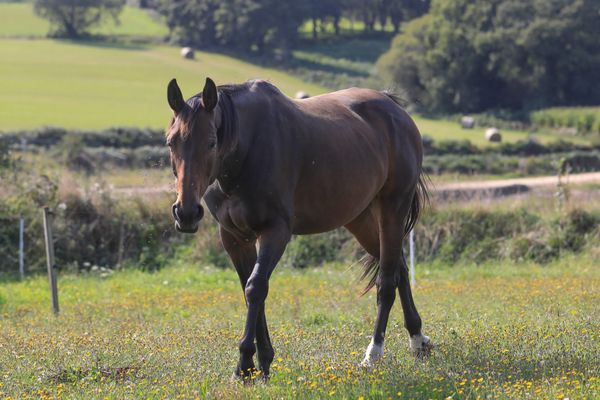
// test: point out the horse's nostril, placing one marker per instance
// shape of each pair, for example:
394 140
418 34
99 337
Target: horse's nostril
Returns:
174 212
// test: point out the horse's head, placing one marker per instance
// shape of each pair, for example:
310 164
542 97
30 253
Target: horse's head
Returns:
192 138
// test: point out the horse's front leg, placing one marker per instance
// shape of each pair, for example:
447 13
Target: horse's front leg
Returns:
243 255
272 242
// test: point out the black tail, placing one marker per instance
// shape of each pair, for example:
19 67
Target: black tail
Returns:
420 199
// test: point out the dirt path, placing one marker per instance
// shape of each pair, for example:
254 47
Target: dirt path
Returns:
530 183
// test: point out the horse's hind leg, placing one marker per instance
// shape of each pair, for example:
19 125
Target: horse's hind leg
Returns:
419 343
392 273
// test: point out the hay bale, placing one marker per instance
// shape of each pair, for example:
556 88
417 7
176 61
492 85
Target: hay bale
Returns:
302 95
187 53
493 135
467 122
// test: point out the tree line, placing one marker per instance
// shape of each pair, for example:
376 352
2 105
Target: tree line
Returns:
476 55
242 24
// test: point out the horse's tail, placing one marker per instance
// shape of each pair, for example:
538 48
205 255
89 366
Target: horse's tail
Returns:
419 200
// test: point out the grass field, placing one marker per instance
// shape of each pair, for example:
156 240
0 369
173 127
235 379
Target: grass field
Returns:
502 331
19 20
95 85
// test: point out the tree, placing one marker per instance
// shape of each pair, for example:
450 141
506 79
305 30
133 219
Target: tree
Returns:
473 55
72 18
321 10
191 22
249 25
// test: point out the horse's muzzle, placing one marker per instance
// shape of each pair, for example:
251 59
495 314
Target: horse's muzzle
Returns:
187 221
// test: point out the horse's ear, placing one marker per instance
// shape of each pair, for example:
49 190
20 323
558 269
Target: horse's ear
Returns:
209 95
174 97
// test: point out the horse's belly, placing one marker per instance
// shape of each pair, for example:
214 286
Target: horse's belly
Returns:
326 202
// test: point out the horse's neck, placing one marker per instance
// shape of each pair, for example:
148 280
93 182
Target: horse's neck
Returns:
233 149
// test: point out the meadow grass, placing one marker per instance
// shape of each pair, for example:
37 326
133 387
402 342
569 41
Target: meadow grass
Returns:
502 331
97 85
17 20
443 129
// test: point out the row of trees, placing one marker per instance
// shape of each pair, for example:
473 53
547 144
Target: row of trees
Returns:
242 24
474 55
274 24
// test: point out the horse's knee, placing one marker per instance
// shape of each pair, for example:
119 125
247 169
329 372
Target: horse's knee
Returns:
256 289
266 356
247 348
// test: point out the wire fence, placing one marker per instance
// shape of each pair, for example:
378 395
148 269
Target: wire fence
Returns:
87 238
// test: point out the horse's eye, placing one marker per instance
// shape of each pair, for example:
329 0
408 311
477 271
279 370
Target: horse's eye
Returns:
212 144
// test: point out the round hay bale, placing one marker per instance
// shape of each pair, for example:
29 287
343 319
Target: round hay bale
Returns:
467 122
493 135
302 95
187 53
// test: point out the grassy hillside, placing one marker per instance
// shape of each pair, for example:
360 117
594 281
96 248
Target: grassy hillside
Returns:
502 331
19 20
94 85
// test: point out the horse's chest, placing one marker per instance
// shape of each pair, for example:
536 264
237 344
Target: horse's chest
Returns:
232 213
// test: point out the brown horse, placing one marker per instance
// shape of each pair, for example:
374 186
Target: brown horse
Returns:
268 167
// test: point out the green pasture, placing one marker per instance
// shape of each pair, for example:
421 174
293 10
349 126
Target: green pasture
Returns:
442 129
17 20
95 85
502 331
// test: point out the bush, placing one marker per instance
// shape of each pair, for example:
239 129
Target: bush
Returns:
90 229
314 250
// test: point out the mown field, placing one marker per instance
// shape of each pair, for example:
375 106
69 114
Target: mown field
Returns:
95 85
502 331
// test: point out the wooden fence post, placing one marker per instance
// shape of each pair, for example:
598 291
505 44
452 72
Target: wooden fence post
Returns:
21 248
50 258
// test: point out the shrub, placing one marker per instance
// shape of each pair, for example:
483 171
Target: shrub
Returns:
314 250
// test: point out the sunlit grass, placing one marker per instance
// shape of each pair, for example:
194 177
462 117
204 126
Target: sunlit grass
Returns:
510 331
442 129
95 85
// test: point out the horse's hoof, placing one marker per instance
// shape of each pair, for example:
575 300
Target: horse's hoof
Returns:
373 354
421 346
247 377
367 363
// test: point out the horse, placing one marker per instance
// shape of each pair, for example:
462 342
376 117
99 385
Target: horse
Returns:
269 167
